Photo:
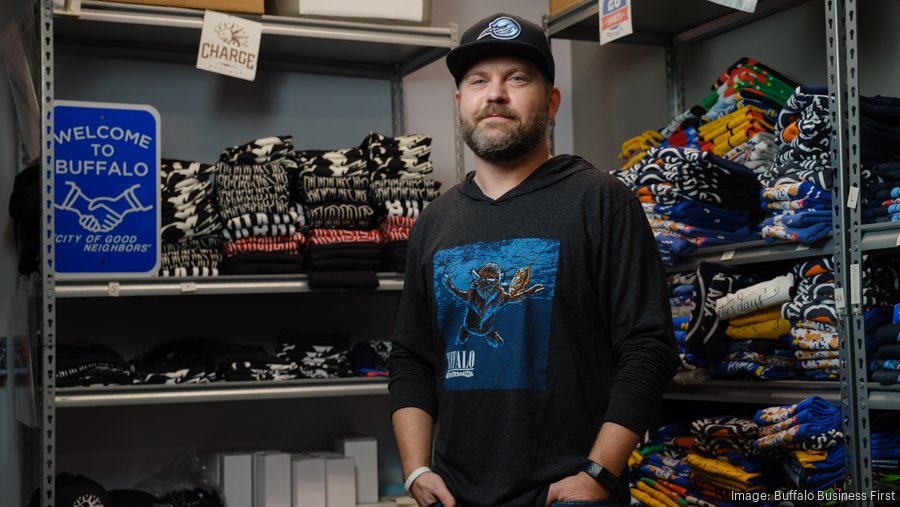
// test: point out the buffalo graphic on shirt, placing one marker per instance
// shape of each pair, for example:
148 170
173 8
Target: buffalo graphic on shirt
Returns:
494 305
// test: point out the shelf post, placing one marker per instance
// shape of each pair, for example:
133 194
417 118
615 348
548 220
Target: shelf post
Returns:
843 91
674 81
47 374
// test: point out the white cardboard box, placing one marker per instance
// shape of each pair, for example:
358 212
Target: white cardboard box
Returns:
232 473
308 481
364 451
340 479
271 479
406 12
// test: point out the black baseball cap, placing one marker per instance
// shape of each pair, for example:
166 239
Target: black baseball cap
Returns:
501 34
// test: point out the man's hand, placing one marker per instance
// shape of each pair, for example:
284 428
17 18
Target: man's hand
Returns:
429 489
576 487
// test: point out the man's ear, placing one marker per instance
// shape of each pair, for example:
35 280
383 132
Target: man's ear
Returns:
456 97
553 103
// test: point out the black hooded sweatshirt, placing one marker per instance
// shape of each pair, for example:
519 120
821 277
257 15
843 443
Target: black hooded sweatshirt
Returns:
525 323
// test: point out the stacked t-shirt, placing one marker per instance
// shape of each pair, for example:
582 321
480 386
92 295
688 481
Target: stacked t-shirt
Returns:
339 202
369 358
261 222
813 318
693 198
760 346
883 346
881 185
706 342
808 434
757 154
797 187
317 355
83 363
398 157
191 224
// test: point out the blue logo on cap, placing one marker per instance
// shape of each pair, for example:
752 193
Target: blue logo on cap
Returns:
502 28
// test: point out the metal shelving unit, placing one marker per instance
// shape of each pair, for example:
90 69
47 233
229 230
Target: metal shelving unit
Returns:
141 32
220 285
675 24
218 392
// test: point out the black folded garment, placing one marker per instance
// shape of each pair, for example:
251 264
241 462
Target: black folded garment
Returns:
248 363
317 355
369 358
89 364
361 251
73 490
356 279
136 498
344 264
262 263
193 498
181 361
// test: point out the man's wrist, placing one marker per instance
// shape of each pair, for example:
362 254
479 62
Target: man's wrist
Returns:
413 476
600 492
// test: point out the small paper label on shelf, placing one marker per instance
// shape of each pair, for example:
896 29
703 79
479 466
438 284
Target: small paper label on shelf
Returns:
855 279
839 298
615 20
741 5
113 289
229 45
853 197
727 255
898 240
801 247
188 287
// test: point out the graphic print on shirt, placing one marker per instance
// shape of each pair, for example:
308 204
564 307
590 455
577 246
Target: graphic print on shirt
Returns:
494 308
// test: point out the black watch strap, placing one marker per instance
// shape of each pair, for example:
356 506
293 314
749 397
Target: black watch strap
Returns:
600 474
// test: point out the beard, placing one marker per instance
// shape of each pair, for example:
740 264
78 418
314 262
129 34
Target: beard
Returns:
513 142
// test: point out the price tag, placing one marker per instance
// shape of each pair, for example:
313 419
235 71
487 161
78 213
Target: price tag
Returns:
853 197
188 287
113 289
727 255
839 298
801 247
898 240
855 289
615 20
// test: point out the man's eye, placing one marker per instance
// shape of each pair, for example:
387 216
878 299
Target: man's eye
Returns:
518 78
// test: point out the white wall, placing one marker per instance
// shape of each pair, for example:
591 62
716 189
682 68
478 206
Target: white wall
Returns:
429 91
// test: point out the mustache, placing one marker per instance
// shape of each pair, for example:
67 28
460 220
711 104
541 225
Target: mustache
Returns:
496 109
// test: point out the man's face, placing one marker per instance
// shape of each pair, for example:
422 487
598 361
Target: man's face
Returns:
504 107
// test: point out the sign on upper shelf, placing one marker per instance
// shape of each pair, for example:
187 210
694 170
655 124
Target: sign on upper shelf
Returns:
229 45
106 189
615 20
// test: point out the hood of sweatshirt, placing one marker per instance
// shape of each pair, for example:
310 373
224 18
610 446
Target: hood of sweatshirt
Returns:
549 173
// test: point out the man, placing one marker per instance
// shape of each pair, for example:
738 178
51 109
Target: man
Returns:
534 325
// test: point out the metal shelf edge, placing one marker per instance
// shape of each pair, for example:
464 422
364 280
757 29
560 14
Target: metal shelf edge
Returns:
752 254
880 236
884 399
107 398
773 392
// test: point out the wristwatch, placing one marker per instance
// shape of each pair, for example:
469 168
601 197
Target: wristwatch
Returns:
600 474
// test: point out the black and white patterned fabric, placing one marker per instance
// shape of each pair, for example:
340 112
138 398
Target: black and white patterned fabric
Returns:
317 355
193 258
259 151
90 364
403 207
418 189
256 188
398 157
342 162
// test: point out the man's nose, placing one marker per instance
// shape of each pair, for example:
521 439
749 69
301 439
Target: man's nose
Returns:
497 92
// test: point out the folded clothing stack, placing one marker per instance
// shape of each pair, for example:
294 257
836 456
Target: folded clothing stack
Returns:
259 151
201 360
881 186
682 289
742 104
191 230
797 186
757 154
369 358
706 342
398 157
754 315
394 240
329 163
339 202
808 434
83 363
813 318
317 355
883 347
254 200
721 198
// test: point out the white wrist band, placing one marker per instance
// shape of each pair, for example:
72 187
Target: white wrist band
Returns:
413 476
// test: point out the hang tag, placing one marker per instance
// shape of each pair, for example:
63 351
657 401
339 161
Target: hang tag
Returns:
853 197
229 45
727 255
615 20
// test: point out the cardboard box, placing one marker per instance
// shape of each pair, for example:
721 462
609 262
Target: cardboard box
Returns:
392 12
340 479
308 481
271 479
558 6
364 451
232 473
247 6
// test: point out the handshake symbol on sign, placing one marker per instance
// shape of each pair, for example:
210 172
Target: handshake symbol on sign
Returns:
101 214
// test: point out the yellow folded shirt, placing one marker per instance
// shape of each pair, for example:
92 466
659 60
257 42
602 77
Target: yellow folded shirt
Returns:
769 330
771 313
